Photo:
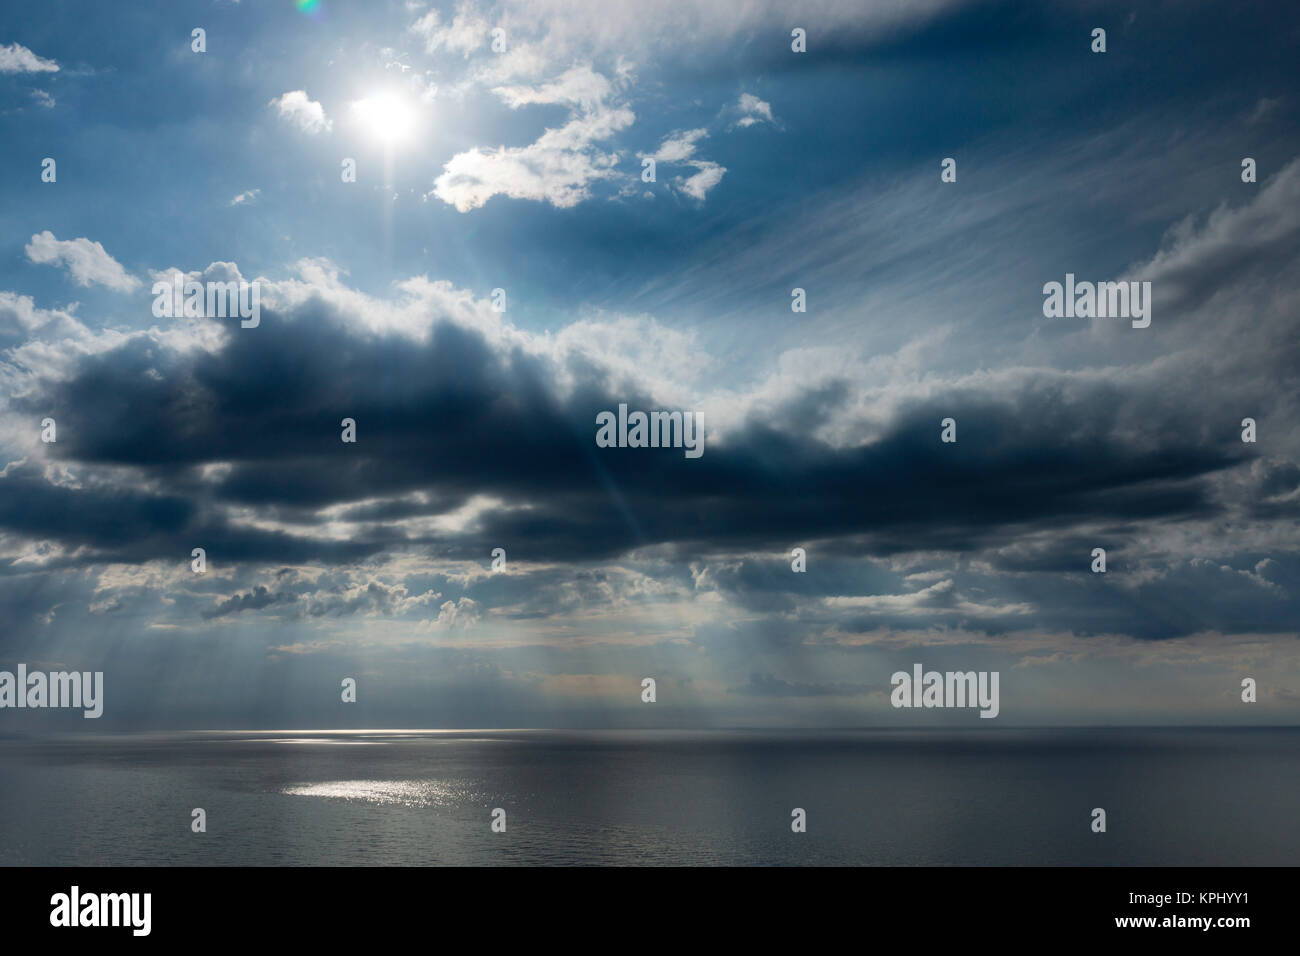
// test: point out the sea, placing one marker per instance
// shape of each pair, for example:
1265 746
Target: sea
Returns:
1170 796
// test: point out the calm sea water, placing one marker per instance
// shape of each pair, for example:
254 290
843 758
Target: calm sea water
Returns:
1173 796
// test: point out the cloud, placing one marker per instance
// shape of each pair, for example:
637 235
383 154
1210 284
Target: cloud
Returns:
1264 109
43 99
1195 259
245 197
21 321
238 427
579 86
560 166
256 599
466 32
752 111
461 614
678 148
343 596
16 58
707 175
302 111
87 261
768 685
544 35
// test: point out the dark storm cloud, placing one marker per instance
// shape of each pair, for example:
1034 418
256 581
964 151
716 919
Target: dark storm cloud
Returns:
455 417
1187 597
1063 554
769 585
116 522
100 516
1169 599
1274 490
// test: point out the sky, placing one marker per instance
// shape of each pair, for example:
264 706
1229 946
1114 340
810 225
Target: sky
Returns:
501 268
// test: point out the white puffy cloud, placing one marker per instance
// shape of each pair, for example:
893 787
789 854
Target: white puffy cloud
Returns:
305 113
753 110
87 261
560 166
16 58
463 613
679 148
707 175
20 316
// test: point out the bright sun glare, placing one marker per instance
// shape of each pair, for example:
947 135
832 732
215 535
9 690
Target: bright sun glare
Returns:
386 117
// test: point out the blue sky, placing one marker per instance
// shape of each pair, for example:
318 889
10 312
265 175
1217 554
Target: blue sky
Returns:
520 169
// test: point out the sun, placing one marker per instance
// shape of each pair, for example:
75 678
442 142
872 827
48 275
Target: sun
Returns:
386 117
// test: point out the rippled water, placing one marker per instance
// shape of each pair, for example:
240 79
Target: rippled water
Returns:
407 793
1177 796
